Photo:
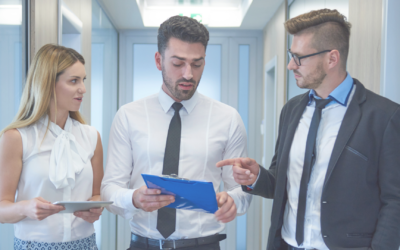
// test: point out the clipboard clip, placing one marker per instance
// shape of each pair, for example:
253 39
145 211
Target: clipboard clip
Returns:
174 176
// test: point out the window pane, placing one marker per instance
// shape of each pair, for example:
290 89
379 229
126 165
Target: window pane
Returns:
210 84
147 79
104 67
12 77
244 68
11 59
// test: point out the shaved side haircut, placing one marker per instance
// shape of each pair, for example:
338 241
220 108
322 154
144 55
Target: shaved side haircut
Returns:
330 30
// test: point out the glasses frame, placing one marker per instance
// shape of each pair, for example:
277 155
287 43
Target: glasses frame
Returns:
291 55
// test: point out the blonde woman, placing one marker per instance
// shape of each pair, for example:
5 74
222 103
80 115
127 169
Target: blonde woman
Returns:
48 154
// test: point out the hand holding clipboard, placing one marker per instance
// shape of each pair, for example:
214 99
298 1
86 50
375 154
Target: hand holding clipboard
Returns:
190 195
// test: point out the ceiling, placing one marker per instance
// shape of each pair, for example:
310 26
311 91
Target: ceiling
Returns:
125 14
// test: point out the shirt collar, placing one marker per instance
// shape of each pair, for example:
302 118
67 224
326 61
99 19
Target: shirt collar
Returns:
166 101
339 95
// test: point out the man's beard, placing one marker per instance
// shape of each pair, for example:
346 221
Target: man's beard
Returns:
175 91
314 79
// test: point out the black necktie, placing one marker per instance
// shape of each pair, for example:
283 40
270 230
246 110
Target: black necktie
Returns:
166 217
309 160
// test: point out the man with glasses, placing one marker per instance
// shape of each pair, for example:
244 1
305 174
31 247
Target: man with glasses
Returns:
335 175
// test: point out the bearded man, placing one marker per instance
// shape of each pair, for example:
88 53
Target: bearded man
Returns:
335 174
177 131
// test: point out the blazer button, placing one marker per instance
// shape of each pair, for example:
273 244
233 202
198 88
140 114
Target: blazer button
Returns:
325 236
324 202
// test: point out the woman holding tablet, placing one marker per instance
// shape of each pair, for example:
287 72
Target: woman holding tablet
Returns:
48 154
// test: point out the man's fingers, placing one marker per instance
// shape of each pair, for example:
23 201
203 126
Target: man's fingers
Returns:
242 172
239 170
228 216
243 177
248 161
152 206
226 162
227 212
148 191
221 198
224 206
159 198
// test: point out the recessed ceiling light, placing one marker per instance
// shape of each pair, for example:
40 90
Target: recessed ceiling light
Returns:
10 14
213 13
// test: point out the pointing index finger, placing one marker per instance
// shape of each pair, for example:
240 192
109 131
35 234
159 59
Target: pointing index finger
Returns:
225 162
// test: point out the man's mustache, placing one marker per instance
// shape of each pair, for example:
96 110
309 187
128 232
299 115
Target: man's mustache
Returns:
184 80
296 72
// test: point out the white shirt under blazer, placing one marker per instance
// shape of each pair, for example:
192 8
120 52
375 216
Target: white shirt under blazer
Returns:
211 131
56 158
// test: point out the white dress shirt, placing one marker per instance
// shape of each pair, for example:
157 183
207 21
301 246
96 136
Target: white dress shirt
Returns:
211 131
56 166
331 120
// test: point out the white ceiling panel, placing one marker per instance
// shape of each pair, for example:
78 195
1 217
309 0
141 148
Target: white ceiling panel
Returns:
245 14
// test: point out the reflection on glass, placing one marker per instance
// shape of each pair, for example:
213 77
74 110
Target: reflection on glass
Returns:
147 79
12 76
10 59
104 67
210 84
243 109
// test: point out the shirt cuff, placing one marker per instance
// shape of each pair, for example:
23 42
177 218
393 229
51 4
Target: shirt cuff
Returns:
254 184
127 202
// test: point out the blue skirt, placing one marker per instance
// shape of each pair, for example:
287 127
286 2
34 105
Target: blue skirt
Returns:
88 243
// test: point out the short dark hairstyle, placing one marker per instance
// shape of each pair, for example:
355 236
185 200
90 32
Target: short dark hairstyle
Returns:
330 28
183 28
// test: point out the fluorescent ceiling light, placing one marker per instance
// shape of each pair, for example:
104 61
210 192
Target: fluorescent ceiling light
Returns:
10 14
213 13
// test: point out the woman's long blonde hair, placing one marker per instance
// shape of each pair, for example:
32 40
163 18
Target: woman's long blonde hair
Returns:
47 65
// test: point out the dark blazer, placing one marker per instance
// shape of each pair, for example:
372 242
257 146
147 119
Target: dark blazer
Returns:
360 207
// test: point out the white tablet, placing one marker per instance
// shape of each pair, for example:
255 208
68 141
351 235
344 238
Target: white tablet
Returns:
73 206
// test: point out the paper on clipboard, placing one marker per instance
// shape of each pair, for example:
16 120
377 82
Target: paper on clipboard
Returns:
189 195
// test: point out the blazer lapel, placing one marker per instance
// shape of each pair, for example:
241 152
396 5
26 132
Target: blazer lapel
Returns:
294 117
349 124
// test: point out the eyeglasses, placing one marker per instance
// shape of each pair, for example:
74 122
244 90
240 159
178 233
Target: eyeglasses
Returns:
298 58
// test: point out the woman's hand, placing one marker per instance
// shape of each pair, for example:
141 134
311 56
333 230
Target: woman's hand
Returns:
93 214
39 209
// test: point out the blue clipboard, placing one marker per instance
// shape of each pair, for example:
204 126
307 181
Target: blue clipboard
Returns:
190 195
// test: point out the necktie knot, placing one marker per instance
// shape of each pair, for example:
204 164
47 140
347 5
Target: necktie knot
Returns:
321 103
177 106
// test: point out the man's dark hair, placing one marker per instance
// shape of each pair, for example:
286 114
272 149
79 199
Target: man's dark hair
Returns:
183 28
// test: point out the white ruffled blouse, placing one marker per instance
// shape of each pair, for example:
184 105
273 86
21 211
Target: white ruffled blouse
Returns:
57 167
